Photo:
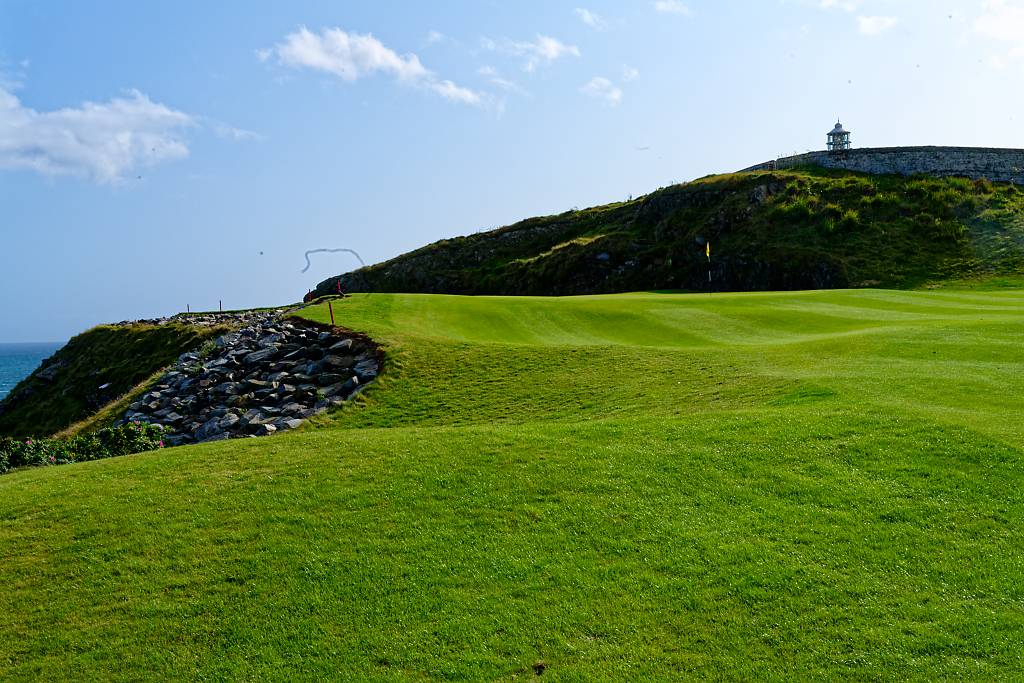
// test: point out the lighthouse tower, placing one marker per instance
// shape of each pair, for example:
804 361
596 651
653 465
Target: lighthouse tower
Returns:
838 139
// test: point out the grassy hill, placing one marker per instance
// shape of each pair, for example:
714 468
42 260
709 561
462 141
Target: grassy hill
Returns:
798 486
93 370
785 230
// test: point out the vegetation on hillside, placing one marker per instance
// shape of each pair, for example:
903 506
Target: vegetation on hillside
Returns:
109 442
801 229
784 486
94 368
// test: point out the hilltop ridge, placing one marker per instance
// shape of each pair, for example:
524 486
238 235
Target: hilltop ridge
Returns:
803 228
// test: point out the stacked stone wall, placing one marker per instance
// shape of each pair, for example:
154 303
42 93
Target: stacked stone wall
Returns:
1000 165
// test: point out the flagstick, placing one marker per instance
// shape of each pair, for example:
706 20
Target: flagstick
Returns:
709 267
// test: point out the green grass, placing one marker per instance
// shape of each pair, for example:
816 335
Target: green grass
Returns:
795 486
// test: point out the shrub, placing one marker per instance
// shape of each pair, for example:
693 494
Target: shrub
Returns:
833 210
983 186
800 210
134 437
850 218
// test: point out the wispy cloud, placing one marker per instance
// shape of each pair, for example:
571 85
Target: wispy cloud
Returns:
100 141
672 7
845 5
542 51
351 56
497 80
601 88
629 73
435 37
1003 22
591 19
237 134
873 26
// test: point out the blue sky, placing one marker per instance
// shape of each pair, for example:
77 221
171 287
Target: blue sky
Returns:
158 155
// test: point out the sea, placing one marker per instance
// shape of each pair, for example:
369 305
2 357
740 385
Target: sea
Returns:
17 361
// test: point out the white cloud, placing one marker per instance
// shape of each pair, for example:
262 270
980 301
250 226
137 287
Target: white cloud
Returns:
100 141
236 134
495 78
351 56
873 26
544 50
1001 20
455 93
671 7
435 37
601 88
629 73
845 5
591 19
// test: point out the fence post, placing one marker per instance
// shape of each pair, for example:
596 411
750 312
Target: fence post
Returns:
331 309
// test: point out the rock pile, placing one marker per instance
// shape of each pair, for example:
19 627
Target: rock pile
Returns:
202 319
269 376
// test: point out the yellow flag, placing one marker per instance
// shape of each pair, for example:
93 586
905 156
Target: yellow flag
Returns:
708 251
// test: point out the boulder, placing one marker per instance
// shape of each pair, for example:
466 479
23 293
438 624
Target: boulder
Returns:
338 362
260 356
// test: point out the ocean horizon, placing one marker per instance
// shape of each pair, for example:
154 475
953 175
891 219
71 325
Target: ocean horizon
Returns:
19 359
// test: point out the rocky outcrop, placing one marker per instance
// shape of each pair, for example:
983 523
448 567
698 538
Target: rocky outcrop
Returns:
269 376
1000 165
201 319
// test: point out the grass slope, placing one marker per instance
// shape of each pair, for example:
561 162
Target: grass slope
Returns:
785 230
92 370
816 485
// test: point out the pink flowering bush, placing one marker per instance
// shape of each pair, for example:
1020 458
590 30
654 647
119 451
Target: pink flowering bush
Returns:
134 437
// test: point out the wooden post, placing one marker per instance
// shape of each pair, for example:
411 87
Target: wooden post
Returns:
187 309
220 305
331 309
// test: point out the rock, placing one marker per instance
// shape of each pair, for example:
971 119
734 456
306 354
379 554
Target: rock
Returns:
227 388
260 356
328 378
338 362
270 340
208 429
293 423
282 366
265 430
343 345
222 436
292 408
366 369
253 417
339 389
228 421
